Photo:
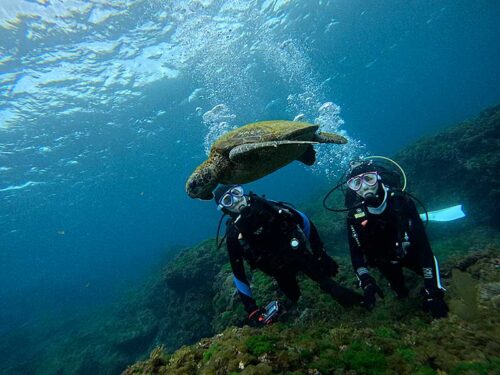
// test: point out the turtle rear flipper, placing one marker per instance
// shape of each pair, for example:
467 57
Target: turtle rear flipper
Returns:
308 157
254 150
324 137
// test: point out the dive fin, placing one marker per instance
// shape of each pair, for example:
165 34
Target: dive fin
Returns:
324 137
308 157
446 214
246 150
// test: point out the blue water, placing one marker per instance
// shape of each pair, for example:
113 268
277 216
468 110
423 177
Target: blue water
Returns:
107 107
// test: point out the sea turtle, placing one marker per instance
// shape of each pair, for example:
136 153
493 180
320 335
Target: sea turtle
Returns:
255 150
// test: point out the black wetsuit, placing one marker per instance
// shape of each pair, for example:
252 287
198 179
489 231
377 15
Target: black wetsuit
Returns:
262 235
394 239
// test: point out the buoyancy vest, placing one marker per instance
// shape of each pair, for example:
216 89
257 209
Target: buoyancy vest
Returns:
385 236
266 229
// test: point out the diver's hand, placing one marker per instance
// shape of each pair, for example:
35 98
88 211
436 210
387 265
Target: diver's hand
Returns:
434 302
370 290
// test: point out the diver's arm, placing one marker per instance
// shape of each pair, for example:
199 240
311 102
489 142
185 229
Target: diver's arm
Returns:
235 252
366 281
428 261
356 250
315 241
328 264
434 292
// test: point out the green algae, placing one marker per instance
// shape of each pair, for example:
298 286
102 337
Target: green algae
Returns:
385 332
364 359
477 368
465 301
357 342
260 344
208 354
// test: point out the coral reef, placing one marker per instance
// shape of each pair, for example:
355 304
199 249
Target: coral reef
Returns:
395 339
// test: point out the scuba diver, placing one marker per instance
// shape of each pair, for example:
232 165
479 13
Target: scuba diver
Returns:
278 240
386 232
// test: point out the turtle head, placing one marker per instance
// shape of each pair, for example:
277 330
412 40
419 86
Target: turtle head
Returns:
202 182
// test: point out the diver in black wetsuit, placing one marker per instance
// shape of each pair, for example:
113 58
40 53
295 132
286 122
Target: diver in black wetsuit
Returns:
386 232
278 240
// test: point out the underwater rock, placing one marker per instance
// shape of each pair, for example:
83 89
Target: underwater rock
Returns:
465 291
467 154
354 341
490 293
194 267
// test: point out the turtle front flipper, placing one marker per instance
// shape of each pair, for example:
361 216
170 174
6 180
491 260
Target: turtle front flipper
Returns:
248 151
324 137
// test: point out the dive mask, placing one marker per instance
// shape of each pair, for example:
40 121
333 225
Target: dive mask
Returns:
232 196
369 178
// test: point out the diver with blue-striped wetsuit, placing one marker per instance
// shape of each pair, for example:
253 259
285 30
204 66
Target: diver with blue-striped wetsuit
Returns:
278 240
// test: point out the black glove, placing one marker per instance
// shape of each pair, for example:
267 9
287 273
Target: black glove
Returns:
434 302
256 317
370 289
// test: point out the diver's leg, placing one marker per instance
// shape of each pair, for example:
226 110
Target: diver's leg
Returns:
345 296
426 266
393 272
412 261
287 282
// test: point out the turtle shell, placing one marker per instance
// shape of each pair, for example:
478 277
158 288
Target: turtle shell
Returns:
265 131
